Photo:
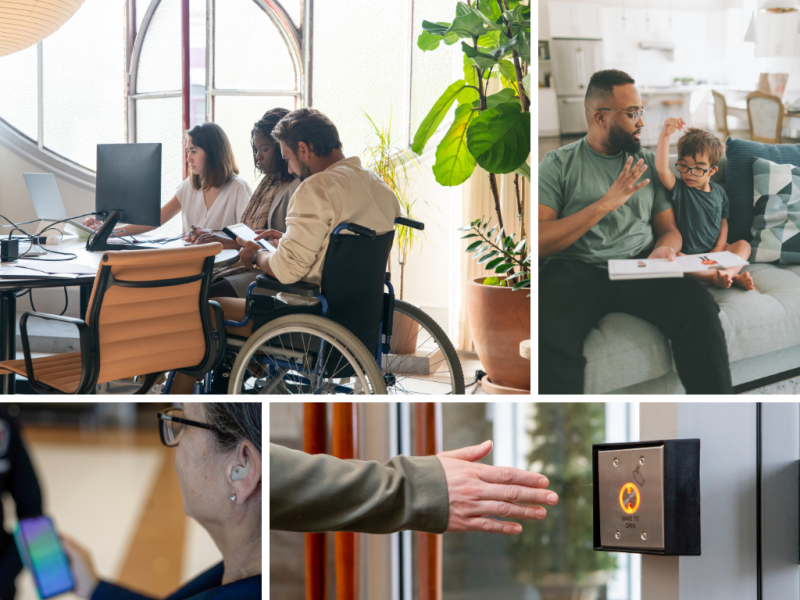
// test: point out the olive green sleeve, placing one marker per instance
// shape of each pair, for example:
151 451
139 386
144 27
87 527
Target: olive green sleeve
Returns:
323 493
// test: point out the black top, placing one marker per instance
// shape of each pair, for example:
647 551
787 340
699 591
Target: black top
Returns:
206 586
18 478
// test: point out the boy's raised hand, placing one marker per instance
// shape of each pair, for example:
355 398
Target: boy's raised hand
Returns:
672 125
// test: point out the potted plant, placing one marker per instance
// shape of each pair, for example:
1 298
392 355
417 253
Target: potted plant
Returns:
492 131
556 555
388 162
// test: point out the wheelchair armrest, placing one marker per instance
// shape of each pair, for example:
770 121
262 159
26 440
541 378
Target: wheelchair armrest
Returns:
409 223
301 288
88 352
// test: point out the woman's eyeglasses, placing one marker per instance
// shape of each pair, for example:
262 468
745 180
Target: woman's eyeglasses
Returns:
172 425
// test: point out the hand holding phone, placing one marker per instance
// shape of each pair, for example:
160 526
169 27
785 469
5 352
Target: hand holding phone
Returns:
42 554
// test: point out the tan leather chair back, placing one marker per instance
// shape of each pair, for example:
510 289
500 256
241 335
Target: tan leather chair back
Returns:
150 329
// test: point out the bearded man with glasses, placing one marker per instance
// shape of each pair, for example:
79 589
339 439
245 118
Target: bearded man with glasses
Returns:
600 199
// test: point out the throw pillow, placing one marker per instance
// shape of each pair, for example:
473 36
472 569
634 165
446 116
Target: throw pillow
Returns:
739 179
776 219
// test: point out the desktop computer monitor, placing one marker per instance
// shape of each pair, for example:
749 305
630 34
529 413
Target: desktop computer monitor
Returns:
128 189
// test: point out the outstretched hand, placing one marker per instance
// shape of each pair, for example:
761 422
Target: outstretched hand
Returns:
478 492
82 567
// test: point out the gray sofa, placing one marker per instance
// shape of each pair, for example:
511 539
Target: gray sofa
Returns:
626 355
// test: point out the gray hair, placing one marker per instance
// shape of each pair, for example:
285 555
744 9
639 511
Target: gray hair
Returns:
234 422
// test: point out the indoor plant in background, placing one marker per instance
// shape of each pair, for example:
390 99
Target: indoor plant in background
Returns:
556 555
388 162
492 131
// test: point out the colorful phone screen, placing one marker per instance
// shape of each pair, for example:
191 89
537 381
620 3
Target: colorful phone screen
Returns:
42 554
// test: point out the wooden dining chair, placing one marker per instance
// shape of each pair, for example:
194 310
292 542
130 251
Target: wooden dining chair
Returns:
765 115
721 114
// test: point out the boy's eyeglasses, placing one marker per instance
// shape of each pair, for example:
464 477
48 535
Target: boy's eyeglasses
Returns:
172 425
696 171
635 115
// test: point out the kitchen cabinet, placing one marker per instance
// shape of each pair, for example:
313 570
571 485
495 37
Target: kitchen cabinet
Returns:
574 20
776 35
544 25
548 113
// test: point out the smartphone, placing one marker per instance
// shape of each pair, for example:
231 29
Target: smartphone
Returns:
44 557
243 231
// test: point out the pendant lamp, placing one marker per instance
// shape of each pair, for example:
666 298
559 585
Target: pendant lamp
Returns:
750 35
24 23
780 6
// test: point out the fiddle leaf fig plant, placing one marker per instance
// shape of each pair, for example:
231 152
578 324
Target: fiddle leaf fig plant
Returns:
490 130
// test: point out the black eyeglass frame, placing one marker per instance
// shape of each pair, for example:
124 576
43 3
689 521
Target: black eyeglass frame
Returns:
165 417
632 114
693 169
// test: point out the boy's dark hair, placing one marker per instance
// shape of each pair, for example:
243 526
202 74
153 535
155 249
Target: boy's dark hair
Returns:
601 87
699 141
278 171
310 126
220 165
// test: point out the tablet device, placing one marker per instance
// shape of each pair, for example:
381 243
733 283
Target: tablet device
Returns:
42 554
243 231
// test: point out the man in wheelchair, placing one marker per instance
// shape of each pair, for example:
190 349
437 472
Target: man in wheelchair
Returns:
335 193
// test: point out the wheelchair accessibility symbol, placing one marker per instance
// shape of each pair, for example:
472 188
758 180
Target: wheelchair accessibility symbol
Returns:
629 498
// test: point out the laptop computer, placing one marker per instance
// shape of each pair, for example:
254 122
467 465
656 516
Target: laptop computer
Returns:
48 203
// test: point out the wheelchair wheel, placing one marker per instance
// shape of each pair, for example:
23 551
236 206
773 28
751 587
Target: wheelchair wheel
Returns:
284 357
421 360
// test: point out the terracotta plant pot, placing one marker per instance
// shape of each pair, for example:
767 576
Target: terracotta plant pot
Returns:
404 334
499 320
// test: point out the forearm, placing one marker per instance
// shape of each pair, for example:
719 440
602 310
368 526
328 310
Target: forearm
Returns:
263 258
557 234
132 229
662 162
670 239
323 493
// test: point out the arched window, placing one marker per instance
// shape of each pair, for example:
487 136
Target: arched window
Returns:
244 58
66 95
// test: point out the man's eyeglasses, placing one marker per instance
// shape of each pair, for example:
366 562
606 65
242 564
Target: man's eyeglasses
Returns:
172 425
696 171
635 115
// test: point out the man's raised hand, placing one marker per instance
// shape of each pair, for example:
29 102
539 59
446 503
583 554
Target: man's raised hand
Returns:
625 185
477 492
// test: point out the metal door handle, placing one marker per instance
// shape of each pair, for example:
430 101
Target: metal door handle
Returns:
581 69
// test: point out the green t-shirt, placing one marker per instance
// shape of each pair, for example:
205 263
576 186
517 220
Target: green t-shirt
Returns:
573 177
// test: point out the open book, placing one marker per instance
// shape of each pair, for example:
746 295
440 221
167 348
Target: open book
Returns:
652 268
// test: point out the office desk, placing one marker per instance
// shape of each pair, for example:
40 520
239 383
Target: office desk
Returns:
10 288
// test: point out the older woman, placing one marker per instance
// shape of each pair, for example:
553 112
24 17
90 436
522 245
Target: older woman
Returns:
218 462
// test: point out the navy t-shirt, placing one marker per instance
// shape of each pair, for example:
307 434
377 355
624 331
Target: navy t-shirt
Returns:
699 215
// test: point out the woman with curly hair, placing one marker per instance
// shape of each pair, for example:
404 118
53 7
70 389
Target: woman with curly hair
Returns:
266 210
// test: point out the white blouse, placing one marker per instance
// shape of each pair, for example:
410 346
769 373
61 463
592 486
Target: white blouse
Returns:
226 210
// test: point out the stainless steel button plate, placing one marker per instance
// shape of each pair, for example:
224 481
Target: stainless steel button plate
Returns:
631 498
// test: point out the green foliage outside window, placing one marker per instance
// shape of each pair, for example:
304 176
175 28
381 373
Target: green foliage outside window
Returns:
562 450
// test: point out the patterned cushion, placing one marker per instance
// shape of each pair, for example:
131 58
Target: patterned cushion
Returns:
776 202
739 179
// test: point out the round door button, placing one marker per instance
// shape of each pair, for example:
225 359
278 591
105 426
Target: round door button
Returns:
629 498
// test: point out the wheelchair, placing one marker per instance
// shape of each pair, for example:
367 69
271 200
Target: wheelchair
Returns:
357 340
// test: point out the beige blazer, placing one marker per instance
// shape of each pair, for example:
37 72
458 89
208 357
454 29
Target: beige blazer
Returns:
322 493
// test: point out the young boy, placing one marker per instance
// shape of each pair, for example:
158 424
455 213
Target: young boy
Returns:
701 207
